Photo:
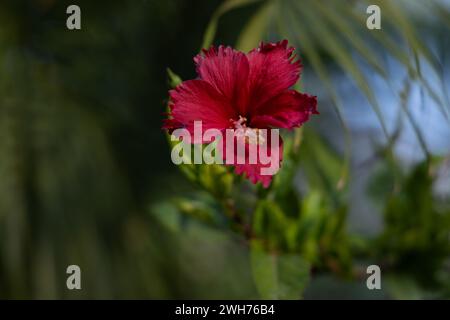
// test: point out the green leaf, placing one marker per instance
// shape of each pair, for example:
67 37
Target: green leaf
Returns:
321 233
174 79
188 169
198 210
271 224
216 179
283 189
278 276
415 237
322 164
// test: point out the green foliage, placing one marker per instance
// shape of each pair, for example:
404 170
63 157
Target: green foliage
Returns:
174 79
278 276
294 230
415 237
287 232
81 182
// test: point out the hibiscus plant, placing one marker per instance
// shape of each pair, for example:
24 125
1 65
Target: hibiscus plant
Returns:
294 222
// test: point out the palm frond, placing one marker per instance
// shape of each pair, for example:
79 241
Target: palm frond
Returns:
336 32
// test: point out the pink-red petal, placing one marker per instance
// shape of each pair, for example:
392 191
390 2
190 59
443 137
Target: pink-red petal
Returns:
227 71
288 110
253 170
273 69
197 100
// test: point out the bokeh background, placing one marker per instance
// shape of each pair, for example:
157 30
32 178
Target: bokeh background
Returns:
86 176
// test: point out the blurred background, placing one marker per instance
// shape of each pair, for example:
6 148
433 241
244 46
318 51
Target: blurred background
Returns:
86 176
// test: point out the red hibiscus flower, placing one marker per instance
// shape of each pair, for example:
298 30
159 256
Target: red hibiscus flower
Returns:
250 91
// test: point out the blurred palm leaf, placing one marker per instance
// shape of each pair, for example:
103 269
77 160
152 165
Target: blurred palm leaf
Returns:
221 10
336 31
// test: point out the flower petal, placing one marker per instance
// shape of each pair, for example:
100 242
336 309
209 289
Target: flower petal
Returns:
287 110
252 172
258 170
227 71
272 71
197 100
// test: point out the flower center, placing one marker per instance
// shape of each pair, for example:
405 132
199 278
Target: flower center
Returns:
251 135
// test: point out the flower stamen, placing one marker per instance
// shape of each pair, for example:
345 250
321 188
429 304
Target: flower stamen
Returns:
251 135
